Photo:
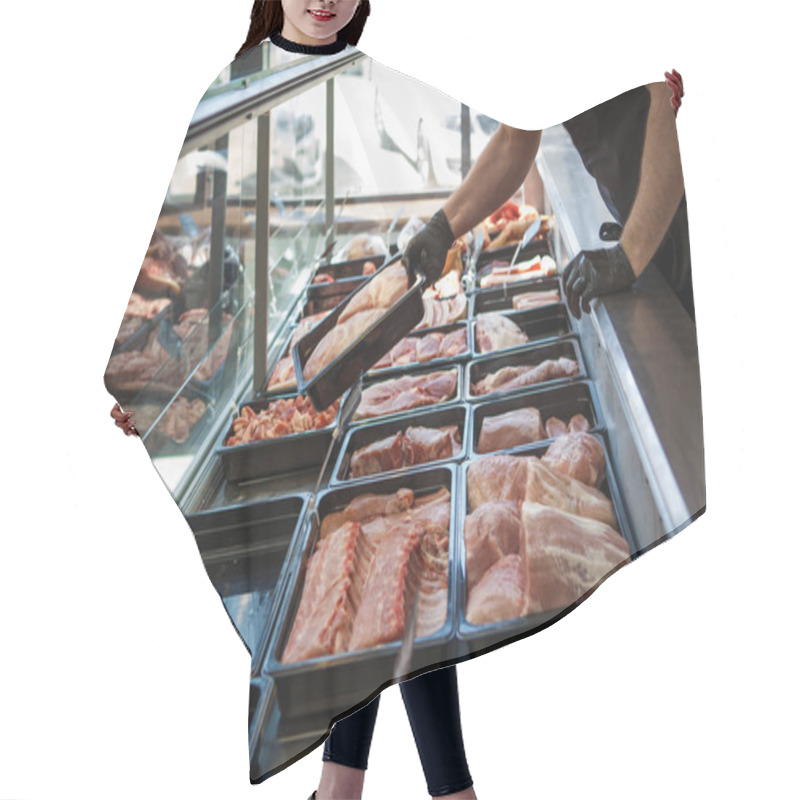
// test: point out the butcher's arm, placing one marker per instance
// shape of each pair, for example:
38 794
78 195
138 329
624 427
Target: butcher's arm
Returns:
660 183
496 175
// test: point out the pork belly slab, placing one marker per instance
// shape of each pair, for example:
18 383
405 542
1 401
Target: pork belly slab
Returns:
381 292
490 533
338 339
517 427
564 556
500 594
324 617
382 456
527 478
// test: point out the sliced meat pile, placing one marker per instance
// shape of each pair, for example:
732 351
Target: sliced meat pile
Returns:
147 308
437 313
406 393
497 332
449 284
370 561
164 270
498 273
364 309
508 378
405 449
420 349
528 300
280 418
535 541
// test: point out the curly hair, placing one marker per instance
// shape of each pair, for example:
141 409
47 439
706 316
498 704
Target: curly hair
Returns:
266 19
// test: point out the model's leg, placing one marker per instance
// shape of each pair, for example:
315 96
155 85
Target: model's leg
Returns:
433 711
345 755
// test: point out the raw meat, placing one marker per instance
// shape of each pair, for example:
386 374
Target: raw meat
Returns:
526 300
324 616
419 349
538 267
381 456
384 606
578 424
577 455
564 556
408 392
497 332
496 478
490 532
380 292
442 312
283 376
500 594
421 445
509 378
139 306
555 427
520 426
280 418
338 339
306 325
526 478
366 507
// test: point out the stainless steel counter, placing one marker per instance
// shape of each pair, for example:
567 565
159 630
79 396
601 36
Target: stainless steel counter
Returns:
641 349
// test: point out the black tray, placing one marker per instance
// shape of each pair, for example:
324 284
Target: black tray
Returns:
347 270
530 354
480 636
536 247
538 324
413 369
297 451
501 298
328 296
245 551
354 675
560 401
388 372
338 376
366 434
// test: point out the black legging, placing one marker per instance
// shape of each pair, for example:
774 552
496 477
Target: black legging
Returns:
432 707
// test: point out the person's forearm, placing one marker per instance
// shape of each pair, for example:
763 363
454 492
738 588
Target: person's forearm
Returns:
496 175
660 183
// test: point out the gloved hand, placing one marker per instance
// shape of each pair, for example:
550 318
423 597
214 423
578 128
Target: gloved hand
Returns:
426 253
595 272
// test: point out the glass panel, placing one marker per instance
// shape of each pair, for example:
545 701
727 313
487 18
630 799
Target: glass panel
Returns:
266 59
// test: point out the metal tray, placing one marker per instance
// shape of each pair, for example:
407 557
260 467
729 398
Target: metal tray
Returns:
328 296
536 247
501 298
494 634
245 551
388 372
528 355
347 270
539 325
372 344
559 401
355 674
297 451
413 370
373 432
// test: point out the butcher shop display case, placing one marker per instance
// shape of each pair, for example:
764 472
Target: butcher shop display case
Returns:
286 199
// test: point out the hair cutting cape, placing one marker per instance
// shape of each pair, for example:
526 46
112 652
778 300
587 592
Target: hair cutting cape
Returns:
506 456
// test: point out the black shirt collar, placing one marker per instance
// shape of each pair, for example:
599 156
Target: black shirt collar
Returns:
308 49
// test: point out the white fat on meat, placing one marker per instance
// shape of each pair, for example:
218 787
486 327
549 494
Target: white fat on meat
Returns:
497 332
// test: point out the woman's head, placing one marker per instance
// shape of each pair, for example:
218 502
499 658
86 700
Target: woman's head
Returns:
306 21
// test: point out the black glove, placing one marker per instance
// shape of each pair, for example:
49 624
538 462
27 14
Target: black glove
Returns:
426 253
595 272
